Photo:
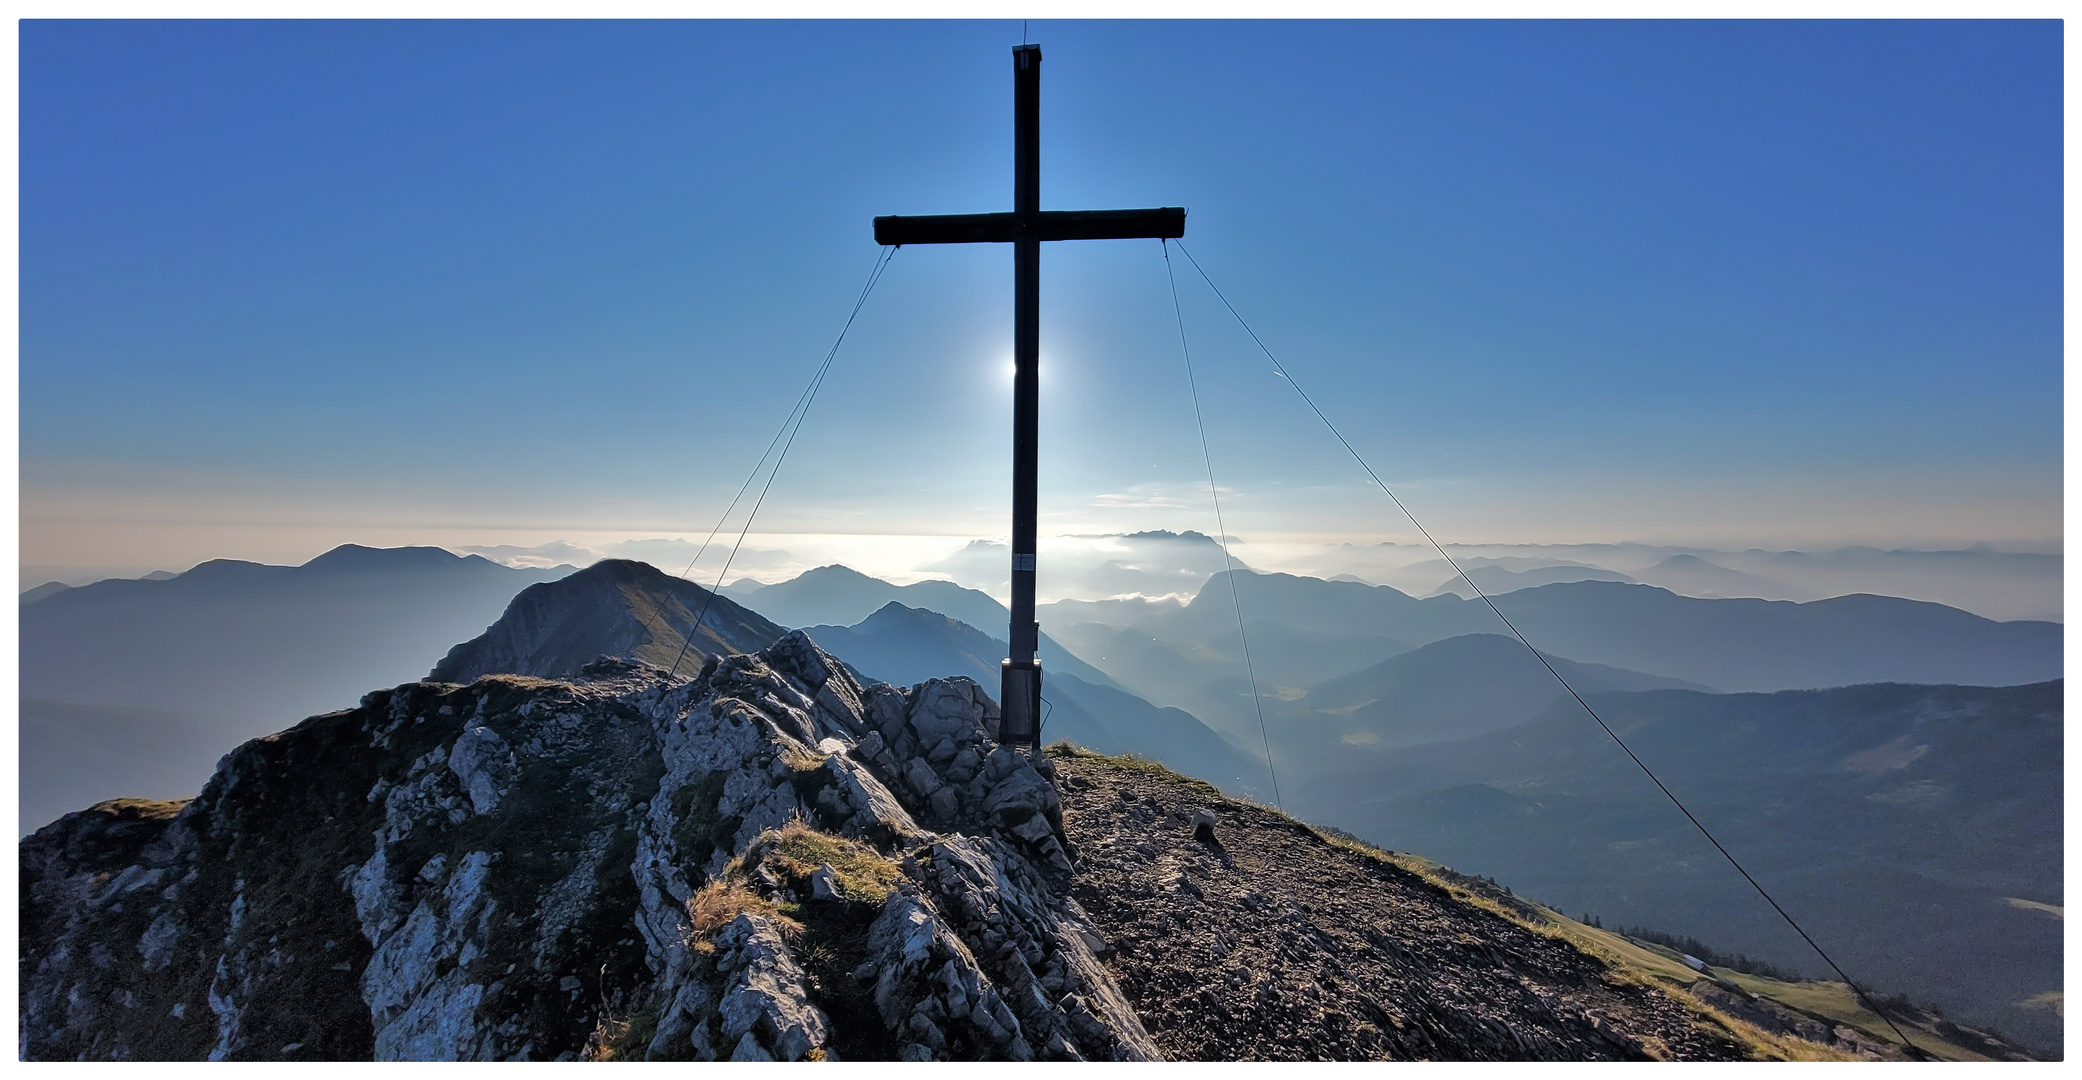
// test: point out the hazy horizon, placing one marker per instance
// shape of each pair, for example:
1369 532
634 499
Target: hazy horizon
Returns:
285 285
1999 581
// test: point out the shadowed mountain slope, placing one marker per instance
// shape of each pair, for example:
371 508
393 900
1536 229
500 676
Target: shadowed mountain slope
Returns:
1208 677
1915 830
904 645
1270 939
841 596
613 608
1448 689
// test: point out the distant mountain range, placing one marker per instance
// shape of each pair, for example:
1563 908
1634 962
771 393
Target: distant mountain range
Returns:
1305 630
1684 573
225 652
1496 580
1997 584
1915 830
620 608
1446 690
840 596
1691 575
232 648
906 645
1919 811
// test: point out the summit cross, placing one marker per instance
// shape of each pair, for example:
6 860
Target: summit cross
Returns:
1025 228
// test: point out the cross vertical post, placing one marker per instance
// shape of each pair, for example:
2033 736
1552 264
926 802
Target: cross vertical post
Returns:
1026 228
1021 678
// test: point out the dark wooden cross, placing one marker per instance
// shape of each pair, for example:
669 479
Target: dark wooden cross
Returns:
1025 228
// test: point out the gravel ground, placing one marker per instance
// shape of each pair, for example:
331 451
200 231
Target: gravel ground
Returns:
1270 943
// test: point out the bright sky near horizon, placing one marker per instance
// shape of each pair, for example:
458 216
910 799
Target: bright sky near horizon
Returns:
289 285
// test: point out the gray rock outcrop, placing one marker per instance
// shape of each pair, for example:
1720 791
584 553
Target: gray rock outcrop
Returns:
770 861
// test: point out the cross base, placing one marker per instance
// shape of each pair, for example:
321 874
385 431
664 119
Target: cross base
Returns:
1020 718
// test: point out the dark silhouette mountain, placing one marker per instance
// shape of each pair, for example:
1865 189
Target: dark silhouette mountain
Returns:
1448 689
842 596
905 645
1915 830
613 608
223 652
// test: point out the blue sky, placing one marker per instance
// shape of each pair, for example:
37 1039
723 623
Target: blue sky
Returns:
290 285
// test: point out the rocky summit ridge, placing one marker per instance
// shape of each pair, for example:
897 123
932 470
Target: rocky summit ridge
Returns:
771 860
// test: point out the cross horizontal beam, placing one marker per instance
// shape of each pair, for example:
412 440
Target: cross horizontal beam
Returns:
1157 223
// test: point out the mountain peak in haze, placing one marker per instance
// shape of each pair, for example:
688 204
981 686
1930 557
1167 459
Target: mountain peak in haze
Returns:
614 607
357 559
1496 580
1189 536
48 588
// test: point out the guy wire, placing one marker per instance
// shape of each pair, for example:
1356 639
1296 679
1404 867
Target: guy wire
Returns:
1650 773
796 416
1221 530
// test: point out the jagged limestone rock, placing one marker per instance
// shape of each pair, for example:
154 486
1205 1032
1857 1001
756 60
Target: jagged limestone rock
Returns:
529 869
